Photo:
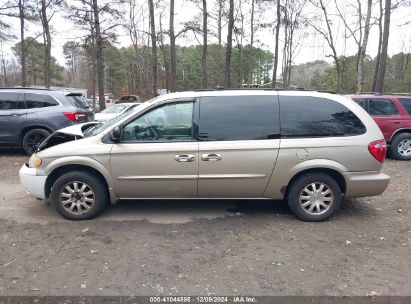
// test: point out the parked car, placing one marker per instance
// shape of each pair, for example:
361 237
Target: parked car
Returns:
128 98
114 111
28 116
392 113
310 148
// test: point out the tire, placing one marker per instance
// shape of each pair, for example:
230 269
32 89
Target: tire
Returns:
322 208
32 139
78 201
401 146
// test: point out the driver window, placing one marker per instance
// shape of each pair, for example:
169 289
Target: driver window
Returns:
172 122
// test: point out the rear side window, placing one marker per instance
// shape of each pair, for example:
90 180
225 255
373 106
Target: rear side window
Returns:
226 118
9 101
39 101
317 117
78 101
406 103
381 107
362 103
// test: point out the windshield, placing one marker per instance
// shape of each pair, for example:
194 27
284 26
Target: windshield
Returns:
115 109
78 101
97 129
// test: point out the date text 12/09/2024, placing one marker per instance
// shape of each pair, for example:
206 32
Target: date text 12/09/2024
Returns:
203 299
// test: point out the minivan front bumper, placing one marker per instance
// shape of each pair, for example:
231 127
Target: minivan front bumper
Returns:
34 184
360 184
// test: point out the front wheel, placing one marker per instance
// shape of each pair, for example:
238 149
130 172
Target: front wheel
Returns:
79 195
401 146
314 197
33 138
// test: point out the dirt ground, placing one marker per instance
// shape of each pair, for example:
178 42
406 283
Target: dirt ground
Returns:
205 247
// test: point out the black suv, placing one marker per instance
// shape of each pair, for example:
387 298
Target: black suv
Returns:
28 115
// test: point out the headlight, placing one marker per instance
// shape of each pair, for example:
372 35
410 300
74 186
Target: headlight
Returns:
34 161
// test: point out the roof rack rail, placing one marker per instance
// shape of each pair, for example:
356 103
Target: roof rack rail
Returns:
219 88
369 93
401 94
24 88
327 91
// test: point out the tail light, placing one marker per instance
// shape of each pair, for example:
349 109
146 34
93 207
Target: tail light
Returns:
378 149
74 116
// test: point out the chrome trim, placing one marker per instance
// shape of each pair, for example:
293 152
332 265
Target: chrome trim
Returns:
211 157
232 176
184 158
157 177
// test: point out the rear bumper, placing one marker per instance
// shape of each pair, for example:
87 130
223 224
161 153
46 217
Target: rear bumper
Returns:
360 184
34 184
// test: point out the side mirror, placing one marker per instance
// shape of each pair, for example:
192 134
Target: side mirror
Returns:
116 134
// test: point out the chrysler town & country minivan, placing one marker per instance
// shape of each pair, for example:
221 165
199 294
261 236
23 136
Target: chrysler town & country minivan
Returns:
312 149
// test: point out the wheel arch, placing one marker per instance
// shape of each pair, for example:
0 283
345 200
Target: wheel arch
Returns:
336 175
54 171
399 131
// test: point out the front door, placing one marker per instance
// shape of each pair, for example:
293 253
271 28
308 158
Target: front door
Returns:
238 145
157 156
12 117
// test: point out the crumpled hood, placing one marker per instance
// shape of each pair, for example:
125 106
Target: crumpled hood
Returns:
77 130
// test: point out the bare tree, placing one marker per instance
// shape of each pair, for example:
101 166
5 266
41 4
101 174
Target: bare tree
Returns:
277 34
153 45
204 51
328 36
379 84
377 59
359 31
229 47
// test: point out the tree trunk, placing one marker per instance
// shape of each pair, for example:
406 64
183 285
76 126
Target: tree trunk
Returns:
277 33
153 46
47 44
99 57
229 45
379 84
22 42
250 62
204 55
361 57
173 59
218 80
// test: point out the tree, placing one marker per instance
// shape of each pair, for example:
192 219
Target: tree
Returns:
379 84
277 34
229 47
153 45
90 16
35 59
45 5
328 36
204 53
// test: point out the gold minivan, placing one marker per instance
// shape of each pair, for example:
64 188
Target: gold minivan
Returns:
312 149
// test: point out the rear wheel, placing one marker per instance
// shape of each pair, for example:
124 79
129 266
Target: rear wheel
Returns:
401 146
314 197
32 139
79 195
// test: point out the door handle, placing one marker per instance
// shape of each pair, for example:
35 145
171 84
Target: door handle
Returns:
185 158
211 157
397 122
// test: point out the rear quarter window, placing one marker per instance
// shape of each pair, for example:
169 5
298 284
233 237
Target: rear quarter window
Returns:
39 101
302 116
406 103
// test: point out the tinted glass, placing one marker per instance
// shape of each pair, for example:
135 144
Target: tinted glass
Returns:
406 102
9 101
79 101
362 103
172 122
238 118
39 101
317 117
381 107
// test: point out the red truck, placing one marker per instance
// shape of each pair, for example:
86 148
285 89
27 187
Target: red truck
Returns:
392 113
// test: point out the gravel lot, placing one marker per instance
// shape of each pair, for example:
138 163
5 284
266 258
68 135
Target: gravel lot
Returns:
205 247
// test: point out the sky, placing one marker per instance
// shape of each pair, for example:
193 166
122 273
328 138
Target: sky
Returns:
311 47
